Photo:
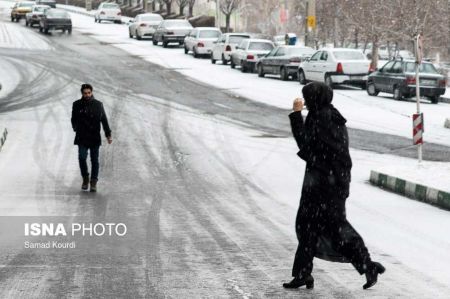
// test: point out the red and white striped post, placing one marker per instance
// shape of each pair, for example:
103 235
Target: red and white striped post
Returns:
418 127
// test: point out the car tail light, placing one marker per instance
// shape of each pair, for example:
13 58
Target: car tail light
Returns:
34 16
143 25
250 57
170 33
410 80
200 45
228 48
371 68
339 68
443 83
102 12
119 13
295 60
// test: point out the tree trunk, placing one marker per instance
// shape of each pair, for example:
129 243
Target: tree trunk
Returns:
356 38
374 63
227 22
182 10
169 8
191 10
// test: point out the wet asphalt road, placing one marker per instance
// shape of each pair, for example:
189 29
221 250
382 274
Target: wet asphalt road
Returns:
196 229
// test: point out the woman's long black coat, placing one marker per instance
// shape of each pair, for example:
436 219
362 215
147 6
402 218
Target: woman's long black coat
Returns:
323 143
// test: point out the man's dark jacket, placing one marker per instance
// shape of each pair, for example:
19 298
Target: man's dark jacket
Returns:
87 114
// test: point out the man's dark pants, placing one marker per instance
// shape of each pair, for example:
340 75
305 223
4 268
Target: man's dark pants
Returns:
82 157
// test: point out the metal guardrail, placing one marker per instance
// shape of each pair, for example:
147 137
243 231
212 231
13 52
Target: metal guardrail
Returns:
3 138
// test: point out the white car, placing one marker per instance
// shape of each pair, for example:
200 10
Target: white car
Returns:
335 66
201 40
144 25
108 11
225 45
249 51
35 15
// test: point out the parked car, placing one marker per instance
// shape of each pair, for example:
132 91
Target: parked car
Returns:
55 19
335 66
201 40
20 9
398 77
108 11
225 45
279 40
144 25
171 31
249 51
283 61
51 3
35 15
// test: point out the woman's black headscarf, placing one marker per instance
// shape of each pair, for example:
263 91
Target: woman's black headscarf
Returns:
317 96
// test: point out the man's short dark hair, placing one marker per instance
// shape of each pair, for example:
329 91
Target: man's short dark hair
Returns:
86 86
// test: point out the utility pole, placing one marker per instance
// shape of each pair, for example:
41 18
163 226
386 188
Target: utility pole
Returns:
218 14
310 25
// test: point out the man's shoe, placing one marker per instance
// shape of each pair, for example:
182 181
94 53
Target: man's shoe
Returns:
372 274
85 184
299 282
93 186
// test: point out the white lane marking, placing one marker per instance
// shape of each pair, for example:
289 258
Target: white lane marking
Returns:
223 106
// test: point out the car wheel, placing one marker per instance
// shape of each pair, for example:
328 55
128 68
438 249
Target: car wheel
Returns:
69 31
129 34
138 36
284 74
213 61
186 50
434 99
46 30
301 77
232 64
40 29
260 71
99 21
12 19
224 61
155 42
164 43
26 23
397 94
17 20
243 68
195 53
371 89
328 81
118 22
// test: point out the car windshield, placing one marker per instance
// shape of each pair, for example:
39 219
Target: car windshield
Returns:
237 39
151 18
423 68
40 8
300 51
177 23
110 6
260 46
26 4
348 55
58 14
209 34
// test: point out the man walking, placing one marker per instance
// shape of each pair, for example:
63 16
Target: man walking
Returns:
87 114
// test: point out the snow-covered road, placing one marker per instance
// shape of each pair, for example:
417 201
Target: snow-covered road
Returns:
212 201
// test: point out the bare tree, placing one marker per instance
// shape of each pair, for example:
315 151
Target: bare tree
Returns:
227 7
168 4
182 4
191 4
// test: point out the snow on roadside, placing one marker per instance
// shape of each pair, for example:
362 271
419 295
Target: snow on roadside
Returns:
380 114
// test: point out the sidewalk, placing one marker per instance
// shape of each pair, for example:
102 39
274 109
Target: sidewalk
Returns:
428 182
83 11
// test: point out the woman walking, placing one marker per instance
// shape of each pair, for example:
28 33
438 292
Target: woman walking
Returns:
321 225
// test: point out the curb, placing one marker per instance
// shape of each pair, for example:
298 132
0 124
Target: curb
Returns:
412 190
3 138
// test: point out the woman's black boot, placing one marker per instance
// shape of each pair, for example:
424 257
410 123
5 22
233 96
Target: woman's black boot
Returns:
372 274
299 282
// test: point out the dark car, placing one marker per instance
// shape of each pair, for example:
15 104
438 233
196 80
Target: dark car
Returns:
283 61
172 31
55 19
51 3
398 77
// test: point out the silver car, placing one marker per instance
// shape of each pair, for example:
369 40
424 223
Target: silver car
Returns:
248 53
144 25
201 40
35 15
225 45
172 31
